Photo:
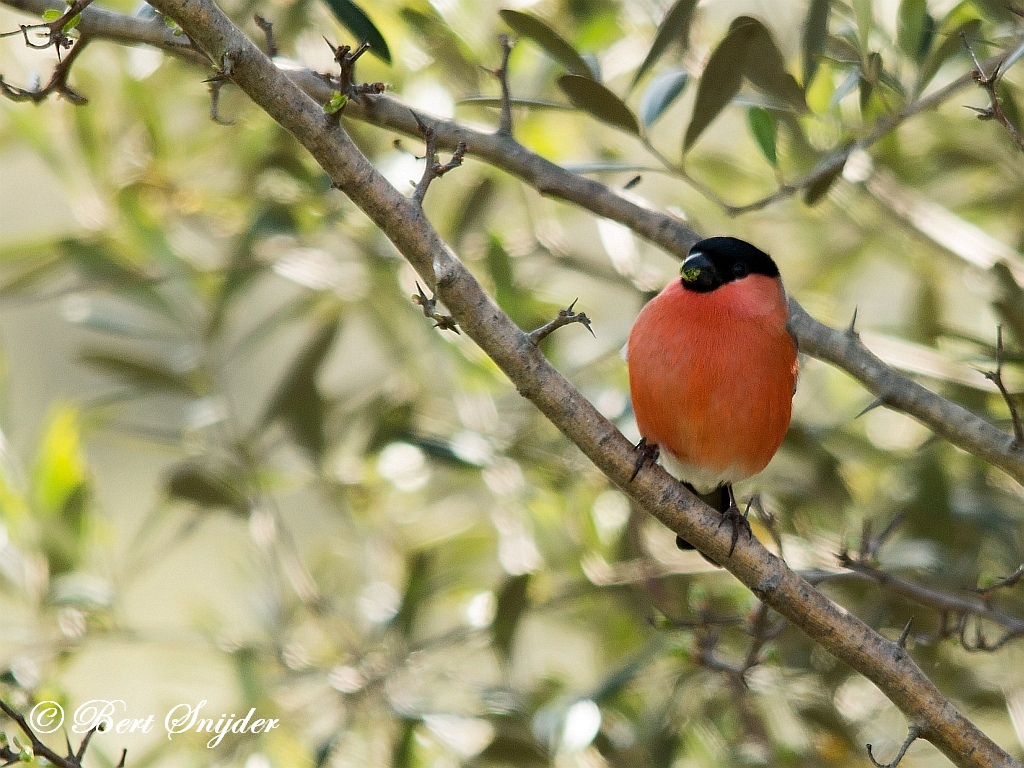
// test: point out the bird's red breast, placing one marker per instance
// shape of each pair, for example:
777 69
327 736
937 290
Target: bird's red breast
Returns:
712 375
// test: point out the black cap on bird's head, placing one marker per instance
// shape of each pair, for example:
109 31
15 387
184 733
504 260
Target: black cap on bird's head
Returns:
719 260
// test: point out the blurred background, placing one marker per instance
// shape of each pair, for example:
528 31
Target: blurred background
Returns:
237 464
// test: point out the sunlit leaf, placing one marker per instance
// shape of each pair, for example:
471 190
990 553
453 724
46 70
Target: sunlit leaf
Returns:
862 10
418 569
594 98
140 373
555 45
60 481
659 95
512 601
762 126
60 463
355 20
494 101
675 27
910 28
815 35
963 20
405 743
721 80
205 486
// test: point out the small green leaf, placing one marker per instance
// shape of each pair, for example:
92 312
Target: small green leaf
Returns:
52 15
336 104
951 44
512 601
721 80
60 464
204 486
595 99
815 35
298 402
355 20
863 12
659 95
910 27
72 23
766 69
815 191
762 125
138 373
674 27
555 45
493 101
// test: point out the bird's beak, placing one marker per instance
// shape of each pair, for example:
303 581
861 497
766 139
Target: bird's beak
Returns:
698 269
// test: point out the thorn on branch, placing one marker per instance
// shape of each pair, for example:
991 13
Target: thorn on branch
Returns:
505 121
913 734
878 401
429 305
996 377
268 32
434 167
1006 581
902 641
851 330
990 83
565 317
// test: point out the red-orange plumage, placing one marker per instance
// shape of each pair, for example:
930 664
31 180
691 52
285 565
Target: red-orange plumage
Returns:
712 377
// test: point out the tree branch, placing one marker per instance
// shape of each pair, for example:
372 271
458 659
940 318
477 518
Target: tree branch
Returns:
404 223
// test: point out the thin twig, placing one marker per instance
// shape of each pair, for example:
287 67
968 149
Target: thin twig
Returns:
434 168
505 121
990 83
913 734
1006 581
268 32
996 377
565 317
58 83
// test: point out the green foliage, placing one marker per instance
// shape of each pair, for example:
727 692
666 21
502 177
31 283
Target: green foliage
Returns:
548 39
355 20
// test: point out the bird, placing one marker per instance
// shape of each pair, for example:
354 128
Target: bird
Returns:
712 373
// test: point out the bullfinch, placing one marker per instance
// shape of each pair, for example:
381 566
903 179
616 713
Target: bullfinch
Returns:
712 371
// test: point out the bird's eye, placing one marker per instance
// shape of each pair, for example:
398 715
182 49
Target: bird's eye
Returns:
739 270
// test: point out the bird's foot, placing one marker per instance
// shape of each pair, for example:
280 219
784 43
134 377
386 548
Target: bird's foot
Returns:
738 522
647 453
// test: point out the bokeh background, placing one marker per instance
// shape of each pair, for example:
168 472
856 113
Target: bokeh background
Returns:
238 465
